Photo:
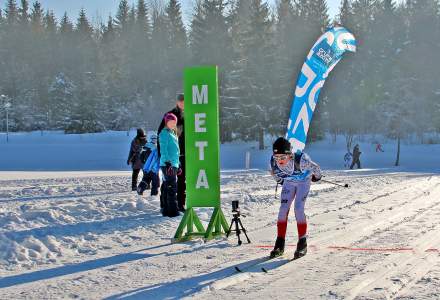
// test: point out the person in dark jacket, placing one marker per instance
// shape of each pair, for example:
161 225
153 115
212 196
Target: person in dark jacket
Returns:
134 156
169 164
178 111
356 157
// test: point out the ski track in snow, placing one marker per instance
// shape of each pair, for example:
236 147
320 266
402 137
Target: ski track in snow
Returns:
75 236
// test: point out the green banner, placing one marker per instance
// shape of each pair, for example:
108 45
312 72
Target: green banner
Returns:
202 146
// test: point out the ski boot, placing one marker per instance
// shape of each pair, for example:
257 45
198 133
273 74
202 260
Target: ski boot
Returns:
278 250
301 248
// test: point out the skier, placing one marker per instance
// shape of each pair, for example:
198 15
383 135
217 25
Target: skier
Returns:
379 147
150 178
134 156
295 172
170 165
178 111
356 157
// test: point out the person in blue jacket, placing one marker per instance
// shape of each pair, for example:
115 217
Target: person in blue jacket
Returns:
170 165
151 169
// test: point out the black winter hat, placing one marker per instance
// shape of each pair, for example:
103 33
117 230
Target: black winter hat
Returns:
140 133
281 146
180 97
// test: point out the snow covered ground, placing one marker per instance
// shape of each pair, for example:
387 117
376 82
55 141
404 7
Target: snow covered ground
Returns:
79 233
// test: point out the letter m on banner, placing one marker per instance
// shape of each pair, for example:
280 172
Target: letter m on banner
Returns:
202 153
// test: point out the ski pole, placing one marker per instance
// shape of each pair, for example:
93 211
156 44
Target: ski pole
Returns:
334 183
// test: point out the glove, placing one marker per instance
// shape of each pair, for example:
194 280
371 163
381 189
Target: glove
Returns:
315 179
179 172
170 170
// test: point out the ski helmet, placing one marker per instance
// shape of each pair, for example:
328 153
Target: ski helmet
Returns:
153 138
281 146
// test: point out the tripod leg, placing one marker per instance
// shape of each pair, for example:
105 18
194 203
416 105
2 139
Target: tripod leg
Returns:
244 231
237 229
229 230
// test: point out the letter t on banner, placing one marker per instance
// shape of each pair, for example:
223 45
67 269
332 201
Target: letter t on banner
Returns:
202 153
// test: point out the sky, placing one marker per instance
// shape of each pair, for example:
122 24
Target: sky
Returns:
103 8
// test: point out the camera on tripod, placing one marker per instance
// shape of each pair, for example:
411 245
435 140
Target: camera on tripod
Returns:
235 206
239 228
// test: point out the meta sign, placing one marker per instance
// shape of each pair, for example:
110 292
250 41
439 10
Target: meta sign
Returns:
202 137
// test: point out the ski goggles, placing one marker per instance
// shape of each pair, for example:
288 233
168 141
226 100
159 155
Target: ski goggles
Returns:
279 157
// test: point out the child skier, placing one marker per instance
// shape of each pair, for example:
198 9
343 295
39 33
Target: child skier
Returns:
151 169
347 159
295 172
170 165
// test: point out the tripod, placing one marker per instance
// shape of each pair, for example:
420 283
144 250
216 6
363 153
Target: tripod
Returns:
238 227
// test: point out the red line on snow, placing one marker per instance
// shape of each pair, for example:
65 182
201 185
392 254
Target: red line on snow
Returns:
341 248
371 249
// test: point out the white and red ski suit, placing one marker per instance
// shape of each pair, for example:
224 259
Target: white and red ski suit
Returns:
296 179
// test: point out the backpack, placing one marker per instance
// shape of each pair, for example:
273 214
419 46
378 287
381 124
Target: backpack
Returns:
144 154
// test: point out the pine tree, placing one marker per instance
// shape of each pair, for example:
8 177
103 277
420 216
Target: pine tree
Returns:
24 13
108 32
143 22
178 52
62 93
50 23
287 63
37 16
11 13
344 16
66 26
160 88
209 39
83 26
122 16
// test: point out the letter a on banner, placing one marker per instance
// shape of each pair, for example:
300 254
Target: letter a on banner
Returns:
202 154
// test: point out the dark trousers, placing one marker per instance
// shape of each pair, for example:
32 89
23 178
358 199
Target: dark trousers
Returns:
169 194
150 179
134 179
356 162
181 185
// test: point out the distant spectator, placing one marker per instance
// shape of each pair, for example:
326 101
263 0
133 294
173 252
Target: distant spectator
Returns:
379 148
356 157
134 156
347 159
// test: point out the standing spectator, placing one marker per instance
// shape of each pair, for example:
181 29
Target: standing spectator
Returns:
169 164
356 157
134 156
178 111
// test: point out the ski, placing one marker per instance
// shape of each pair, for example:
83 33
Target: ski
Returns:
253 264
266 269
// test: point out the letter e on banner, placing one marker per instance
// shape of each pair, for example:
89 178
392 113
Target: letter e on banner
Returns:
200 120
